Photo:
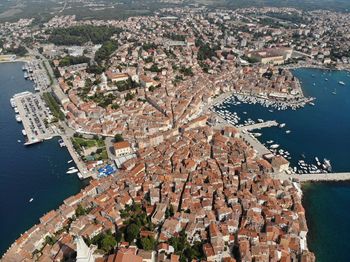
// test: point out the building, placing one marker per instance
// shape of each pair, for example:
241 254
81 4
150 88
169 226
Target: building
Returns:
84 253
122 148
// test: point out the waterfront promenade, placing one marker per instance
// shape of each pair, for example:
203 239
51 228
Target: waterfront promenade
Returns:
316 177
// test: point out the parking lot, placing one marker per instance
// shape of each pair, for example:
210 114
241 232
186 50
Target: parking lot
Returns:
35 116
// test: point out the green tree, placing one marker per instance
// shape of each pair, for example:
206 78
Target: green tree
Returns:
108 242
148 243
118 138
131 232
80 211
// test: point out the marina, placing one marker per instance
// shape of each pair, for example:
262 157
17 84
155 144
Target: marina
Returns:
35 72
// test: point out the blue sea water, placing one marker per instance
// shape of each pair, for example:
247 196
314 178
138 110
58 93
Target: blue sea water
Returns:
37 171
322 130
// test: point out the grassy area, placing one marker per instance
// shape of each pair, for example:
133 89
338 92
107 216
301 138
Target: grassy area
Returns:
101 153
53 105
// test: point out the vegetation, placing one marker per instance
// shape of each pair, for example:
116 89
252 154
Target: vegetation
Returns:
186 71
103 100
19 51
118 138
104 241
80 211
175 37
126 85
79 143
129 96
53 105
73 60
105 51
205 51
79 35
185 250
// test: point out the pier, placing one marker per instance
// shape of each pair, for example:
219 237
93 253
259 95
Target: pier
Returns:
316 177
258 125
33 114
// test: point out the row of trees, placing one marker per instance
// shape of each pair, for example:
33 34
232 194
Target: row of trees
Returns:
73 60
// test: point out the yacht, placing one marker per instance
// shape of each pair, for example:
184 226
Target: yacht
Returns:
30 200
70 161
288 131
18 119
13 104
72 171
274 146
282 125
341 83
16 110
24 132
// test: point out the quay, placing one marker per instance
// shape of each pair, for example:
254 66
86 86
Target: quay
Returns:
33 114
315 177
83 172
258 125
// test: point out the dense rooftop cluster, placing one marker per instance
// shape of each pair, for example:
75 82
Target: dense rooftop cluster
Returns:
203 186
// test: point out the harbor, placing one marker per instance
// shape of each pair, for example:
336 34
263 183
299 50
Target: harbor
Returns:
35 172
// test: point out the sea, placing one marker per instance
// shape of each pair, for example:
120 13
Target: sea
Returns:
37 171
321 131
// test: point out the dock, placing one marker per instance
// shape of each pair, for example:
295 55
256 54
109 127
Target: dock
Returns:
258 125
316 177
33 113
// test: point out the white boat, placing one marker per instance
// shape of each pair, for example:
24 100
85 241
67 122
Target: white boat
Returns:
73 167
72 171
341 83
288 132
16 110
24 132
311 103
19 141
274 146
30 200
70 161
282 125
18 118
13 104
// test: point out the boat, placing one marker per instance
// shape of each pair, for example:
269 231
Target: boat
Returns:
341 83
326 79
312 104
61 143
288 131
12 102
19 141
24 132
30 200
334 92
70 161
274 146
282 125
72 171
16 110
18 118
327 164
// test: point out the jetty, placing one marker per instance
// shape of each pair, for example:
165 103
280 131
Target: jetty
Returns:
258 125
315 177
